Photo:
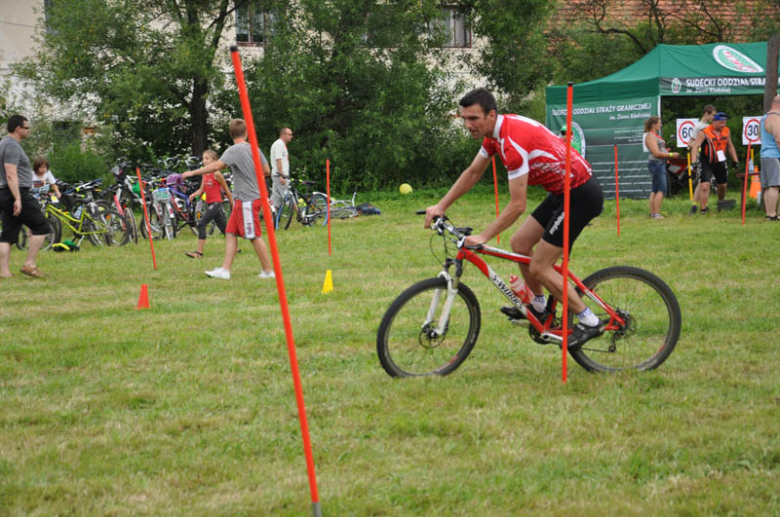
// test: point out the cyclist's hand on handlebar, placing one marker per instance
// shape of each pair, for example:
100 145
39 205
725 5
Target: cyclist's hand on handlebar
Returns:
430 213
475 240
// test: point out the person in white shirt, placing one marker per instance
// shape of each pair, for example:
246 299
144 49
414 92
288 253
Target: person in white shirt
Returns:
43 179
280 166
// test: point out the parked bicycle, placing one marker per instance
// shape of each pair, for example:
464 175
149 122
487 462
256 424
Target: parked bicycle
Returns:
309 206
125 196
432 327
86 218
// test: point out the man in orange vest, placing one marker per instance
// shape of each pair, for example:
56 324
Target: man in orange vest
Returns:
713 142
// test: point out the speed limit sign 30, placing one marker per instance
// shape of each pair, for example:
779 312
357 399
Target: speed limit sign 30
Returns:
750 130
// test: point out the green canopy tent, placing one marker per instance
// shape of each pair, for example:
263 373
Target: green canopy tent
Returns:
612 110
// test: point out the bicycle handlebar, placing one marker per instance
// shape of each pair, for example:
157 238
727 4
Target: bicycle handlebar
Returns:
442 224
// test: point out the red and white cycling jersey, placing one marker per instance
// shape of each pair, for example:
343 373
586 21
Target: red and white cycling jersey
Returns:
527 147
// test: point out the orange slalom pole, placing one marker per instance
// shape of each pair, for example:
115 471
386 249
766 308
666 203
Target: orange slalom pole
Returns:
617 192
744 184
250 125
565 271
327 190
495 187
146 216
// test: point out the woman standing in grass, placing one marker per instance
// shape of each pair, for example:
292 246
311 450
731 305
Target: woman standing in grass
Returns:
657 164
212 185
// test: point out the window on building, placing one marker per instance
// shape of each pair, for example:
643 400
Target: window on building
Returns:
254 24
454 26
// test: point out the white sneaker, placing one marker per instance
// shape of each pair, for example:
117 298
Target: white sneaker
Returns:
220 273
268 274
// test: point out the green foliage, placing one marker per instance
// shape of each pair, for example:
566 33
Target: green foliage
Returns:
579 49
72 163
145 80
580 56
382 115
513 56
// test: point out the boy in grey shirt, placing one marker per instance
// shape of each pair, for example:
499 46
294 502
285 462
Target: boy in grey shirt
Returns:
244 219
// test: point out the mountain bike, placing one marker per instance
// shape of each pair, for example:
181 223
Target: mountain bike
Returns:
125 196
432 327
98 224
308 206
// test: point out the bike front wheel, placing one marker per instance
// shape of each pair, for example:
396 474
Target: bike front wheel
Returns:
284 213
415 339
652 315
119 230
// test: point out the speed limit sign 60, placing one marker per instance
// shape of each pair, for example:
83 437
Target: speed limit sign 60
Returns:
750 130
685 128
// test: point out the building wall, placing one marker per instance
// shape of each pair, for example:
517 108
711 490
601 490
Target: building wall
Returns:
18 20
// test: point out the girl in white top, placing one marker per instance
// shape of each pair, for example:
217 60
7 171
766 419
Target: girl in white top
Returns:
43 178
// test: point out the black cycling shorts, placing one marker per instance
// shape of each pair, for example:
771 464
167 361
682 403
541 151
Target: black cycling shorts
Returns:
585 202
718 169
31 215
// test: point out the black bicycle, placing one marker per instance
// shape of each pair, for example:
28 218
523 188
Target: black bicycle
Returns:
309 206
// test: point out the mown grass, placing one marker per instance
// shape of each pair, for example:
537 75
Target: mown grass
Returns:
188 407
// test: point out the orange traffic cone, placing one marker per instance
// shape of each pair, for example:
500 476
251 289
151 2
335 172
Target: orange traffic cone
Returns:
755 185
143 300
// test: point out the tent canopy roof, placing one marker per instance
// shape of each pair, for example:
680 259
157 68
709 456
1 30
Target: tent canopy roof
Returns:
643 78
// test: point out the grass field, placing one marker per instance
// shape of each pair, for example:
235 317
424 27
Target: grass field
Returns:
188 407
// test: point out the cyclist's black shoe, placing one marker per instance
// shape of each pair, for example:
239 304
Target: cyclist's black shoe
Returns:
705 211
582 333
515 314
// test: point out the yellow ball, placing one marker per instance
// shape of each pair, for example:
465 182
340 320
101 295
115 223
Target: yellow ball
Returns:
405 188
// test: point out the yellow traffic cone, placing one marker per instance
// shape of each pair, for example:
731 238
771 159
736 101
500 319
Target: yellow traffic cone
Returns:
328 285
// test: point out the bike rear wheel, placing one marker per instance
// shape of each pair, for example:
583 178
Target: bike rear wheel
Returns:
653 321
55 234
407 342
319 208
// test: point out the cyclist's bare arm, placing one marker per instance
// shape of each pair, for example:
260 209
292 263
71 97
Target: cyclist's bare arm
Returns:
206 169
518 188
467 179
732 151
697 146
281 174
12 179
772 126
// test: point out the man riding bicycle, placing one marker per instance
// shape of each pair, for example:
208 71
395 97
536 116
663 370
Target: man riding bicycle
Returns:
533 156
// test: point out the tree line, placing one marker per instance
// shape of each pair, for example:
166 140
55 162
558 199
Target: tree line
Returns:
372 85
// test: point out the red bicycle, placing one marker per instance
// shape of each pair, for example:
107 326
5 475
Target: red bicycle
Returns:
432 326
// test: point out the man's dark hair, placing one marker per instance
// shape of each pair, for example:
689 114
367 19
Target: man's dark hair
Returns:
14 122
482 97
709 108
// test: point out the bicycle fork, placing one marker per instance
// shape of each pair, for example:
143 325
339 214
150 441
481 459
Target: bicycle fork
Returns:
444 318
